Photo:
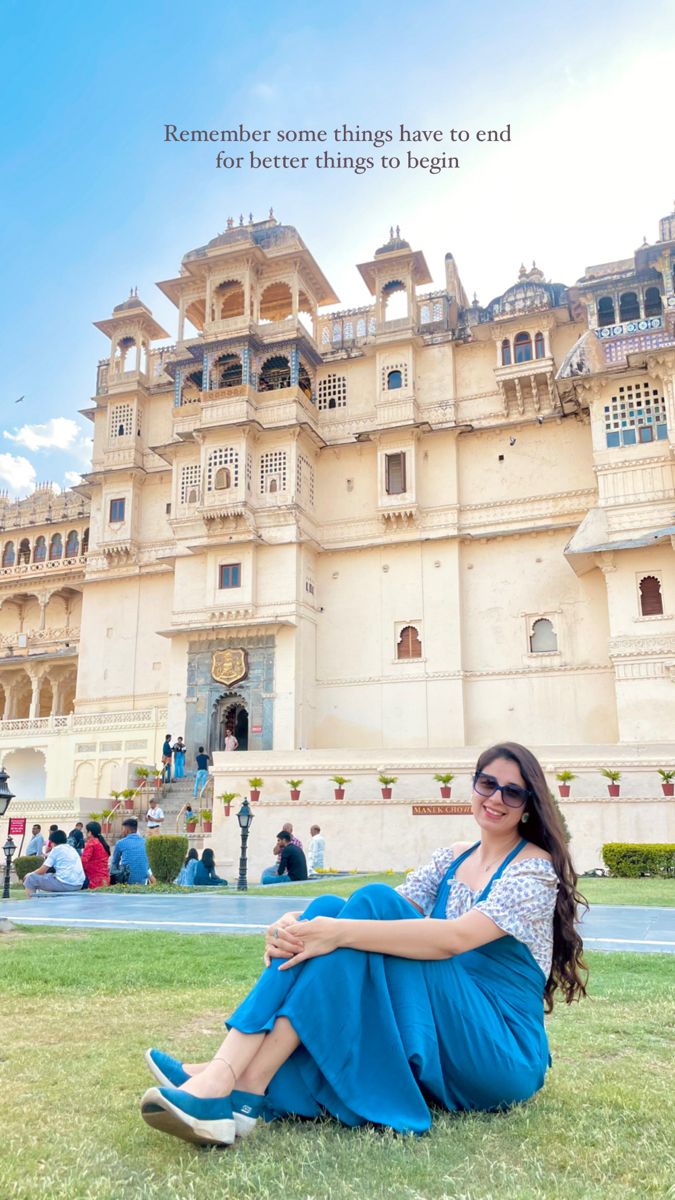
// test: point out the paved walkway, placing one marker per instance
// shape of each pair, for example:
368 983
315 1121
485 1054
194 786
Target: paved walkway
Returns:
605 927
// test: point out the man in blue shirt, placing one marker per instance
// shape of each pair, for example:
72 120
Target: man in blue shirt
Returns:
36 842
130 853
202 776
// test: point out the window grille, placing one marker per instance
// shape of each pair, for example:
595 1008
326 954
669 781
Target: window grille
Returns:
249 473
636 414
331 392
122 420
273 471
394 375
190 483
304 479
361 327
222 456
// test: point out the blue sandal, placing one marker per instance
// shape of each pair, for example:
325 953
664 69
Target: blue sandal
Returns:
170 1073
203 1122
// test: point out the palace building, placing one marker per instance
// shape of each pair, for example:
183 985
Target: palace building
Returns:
367 540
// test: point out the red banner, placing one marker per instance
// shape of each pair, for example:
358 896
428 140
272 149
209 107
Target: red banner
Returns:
17 827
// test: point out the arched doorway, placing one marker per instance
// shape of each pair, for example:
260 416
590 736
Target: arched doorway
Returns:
229 713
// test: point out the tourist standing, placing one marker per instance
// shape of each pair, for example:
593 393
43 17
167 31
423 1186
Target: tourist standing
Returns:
166 759
317 850
36 842
201 778
179 748
154 817
231 742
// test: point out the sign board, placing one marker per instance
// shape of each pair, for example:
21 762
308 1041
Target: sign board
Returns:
441 810
256 728
17 827
229 666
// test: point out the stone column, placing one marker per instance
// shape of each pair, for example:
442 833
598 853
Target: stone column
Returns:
36 680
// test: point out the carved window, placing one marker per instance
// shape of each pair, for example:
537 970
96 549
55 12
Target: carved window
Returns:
651 600
629 307
394 380
217 478
24 551
325 336
117 509
506 353
40 550
229 575
249 473
394 376
522 348
304 480
425 314
56 547
606 311
653 302
8 554
275 373
409 644
360 327
539 348
437 311
337 331
190 483
85 540
372 325
543 638
121 420
273 471
331 392
635 414
394 474
349 331
73 540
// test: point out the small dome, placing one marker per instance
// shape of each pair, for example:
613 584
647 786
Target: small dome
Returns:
396 242
133 301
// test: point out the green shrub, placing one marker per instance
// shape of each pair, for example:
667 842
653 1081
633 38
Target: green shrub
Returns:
27 863
166 855
631 860
561 818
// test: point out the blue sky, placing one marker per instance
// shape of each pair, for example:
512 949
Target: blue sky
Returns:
96 202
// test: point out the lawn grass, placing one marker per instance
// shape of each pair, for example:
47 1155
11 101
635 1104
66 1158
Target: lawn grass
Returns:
79 1008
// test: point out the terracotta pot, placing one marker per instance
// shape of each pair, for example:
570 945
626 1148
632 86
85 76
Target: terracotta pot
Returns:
227 810
295 793
191 826
446 791
207 826
614 789
255 795
339 793
129 804
106 826
564 789
668 789
386 793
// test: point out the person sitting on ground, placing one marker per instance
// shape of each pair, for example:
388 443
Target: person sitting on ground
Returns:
96 856
317 850
186 875
205 874
76 837
34 847
60 872
130 857
292 862
442 985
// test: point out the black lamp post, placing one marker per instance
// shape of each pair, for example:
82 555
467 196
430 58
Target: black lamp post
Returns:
244 817
8 849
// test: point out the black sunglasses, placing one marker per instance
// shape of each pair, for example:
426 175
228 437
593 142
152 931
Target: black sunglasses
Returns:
512 795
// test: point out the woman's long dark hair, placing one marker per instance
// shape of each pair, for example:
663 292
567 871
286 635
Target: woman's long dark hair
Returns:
192 856
544 828
208 858
95 830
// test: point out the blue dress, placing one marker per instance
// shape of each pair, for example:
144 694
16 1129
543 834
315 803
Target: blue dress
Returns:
382 1037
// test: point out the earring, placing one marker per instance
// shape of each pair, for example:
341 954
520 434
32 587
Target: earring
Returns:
525 818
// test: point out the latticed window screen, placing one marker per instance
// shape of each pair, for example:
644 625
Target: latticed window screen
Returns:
122 420
637 413
222 456
390 368
331 392
409 644
273 471
190 483
651 600
249 473
304 479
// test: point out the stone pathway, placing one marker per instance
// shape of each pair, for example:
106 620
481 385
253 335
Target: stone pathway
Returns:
605 927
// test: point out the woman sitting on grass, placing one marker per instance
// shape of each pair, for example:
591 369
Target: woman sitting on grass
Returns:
205 872
186 875
373 1008
96 856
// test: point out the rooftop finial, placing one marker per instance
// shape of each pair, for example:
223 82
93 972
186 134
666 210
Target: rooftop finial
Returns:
522 272
398 231
230 222
250 218
241 218
391 233
271 213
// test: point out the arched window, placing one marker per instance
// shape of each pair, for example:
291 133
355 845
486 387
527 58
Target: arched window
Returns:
222 479
275 373
409 644
24 551
394 380
72 544
325 336
629 307
522 347
361 327
349 331
8 554
425 314
39 550
543 638
273 485
539 348
653 304
606 311
85 540
227 371
506 353
56 547
651 600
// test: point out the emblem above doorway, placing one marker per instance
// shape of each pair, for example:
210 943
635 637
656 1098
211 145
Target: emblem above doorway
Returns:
229 666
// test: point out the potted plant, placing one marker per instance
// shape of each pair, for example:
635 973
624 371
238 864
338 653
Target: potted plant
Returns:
106 823
116 796
340 789
128 797
445 779
613 786
255 785
191 824
386 781
207 819
667 784
95 816
142 774
158 776
294 785
228 797
564 780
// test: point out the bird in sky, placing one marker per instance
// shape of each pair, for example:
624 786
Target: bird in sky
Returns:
20 399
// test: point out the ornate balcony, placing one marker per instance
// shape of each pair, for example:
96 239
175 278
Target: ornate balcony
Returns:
54 566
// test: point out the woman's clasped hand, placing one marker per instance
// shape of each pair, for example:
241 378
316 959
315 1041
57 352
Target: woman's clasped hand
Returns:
297 940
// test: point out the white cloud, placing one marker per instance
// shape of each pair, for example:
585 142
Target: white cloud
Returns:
17 473
72 478
61 433
263 91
